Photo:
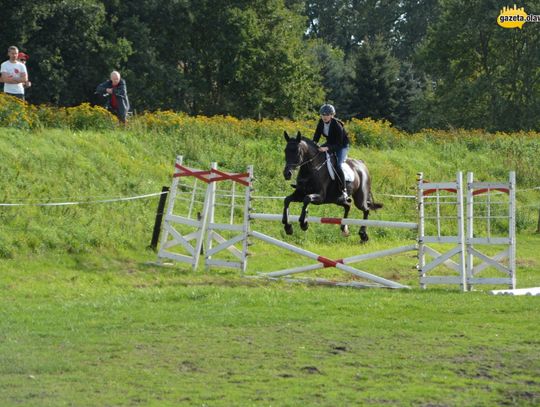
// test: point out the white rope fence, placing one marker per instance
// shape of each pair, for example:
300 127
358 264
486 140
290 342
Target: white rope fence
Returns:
98 201
84 201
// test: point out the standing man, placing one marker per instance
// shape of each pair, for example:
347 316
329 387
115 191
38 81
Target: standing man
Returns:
14 74
116 92
22 57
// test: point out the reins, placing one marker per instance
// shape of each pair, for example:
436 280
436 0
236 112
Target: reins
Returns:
317 168
311 159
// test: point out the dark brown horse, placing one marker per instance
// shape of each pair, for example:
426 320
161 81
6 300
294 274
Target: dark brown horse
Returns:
314 184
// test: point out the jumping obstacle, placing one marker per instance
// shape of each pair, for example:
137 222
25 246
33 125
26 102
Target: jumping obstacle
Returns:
429 195
340 264
468 237
176 245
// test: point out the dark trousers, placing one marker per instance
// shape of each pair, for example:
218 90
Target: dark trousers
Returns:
341 156
17 95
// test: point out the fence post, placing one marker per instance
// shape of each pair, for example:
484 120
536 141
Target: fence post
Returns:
159 217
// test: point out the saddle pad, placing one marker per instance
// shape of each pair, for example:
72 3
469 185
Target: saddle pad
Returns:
347 171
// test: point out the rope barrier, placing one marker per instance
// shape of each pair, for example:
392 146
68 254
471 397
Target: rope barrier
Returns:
131 198
121 199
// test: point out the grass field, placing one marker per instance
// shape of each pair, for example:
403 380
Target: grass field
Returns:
86 320
111 330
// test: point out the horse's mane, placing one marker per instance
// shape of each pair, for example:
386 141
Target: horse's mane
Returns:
310 142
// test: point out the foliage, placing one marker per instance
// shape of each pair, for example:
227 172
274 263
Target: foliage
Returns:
69 53
68 164
486 77
228 57
21 115
85 117
16 113
420 64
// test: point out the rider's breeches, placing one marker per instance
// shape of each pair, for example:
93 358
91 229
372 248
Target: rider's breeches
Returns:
341 156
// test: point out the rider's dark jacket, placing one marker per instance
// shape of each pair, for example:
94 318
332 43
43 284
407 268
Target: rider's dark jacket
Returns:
337 136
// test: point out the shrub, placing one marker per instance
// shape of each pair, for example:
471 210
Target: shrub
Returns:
16 113
374 133
52 117
87 117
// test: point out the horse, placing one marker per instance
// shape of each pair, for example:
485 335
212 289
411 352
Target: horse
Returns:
315 186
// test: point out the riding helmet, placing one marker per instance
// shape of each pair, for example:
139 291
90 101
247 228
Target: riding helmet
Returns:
327 109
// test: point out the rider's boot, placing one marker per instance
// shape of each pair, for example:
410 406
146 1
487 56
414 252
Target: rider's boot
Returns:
344 198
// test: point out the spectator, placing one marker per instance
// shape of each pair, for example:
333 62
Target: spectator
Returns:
116 93
13 74
22 57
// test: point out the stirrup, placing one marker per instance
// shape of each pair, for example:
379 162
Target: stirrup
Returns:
344 198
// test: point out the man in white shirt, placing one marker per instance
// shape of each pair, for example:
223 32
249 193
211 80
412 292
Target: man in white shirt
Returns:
14 74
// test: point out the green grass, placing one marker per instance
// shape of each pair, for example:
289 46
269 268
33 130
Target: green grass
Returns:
110 330
86 321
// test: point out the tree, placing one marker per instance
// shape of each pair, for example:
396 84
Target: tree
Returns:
69 53
410 28
485 76
159 34
346 23
238 57
375 82
254 64
336 71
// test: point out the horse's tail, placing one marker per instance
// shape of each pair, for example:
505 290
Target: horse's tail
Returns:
372 204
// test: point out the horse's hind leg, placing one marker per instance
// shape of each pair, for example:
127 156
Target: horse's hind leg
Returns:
361 203
362 232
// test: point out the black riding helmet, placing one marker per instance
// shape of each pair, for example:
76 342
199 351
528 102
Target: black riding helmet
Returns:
327 110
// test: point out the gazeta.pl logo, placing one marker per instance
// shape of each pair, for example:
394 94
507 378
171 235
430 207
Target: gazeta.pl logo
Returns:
515 17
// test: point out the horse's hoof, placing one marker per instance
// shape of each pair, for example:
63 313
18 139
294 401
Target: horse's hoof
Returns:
288 229
345 233
364 238
304 226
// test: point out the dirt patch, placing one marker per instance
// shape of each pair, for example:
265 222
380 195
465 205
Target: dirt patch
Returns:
310 370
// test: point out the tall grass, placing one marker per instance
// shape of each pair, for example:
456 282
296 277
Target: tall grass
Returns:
64 164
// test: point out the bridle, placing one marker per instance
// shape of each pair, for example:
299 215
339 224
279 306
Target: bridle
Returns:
302 163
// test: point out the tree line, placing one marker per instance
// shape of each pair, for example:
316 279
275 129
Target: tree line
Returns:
418 63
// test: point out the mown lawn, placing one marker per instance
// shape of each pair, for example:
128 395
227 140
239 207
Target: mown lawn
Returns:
89 330
86 321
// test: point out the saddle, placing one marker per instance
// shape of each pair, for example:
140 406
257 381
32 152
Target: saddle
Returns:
347 171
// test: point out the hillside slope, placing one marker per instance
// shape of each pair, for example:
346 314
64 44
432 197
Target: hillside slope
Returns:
59 165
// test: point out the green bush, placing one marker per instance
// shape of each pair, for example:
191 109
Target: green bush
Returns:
86 117
17 113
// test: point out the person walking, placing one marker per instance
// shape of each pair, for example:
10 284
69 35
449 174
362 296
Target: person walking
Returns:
14 74
116 92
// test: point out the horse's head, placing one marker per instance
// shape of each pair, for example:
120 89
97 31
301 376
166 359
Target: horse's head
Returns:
293 154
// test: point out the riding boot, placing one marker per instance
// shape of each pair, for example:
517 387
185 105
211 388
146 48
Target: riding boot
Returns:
344 198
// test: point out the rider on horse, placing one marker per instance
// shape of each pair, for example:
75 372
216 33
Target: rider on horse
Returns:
336 142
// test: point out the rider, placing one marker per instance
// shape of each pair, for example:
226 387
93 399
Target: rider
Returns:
336 142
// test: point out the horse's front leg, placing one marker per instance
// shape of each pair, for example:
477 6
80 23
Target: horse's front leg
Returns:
311 198
294 197
345 228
